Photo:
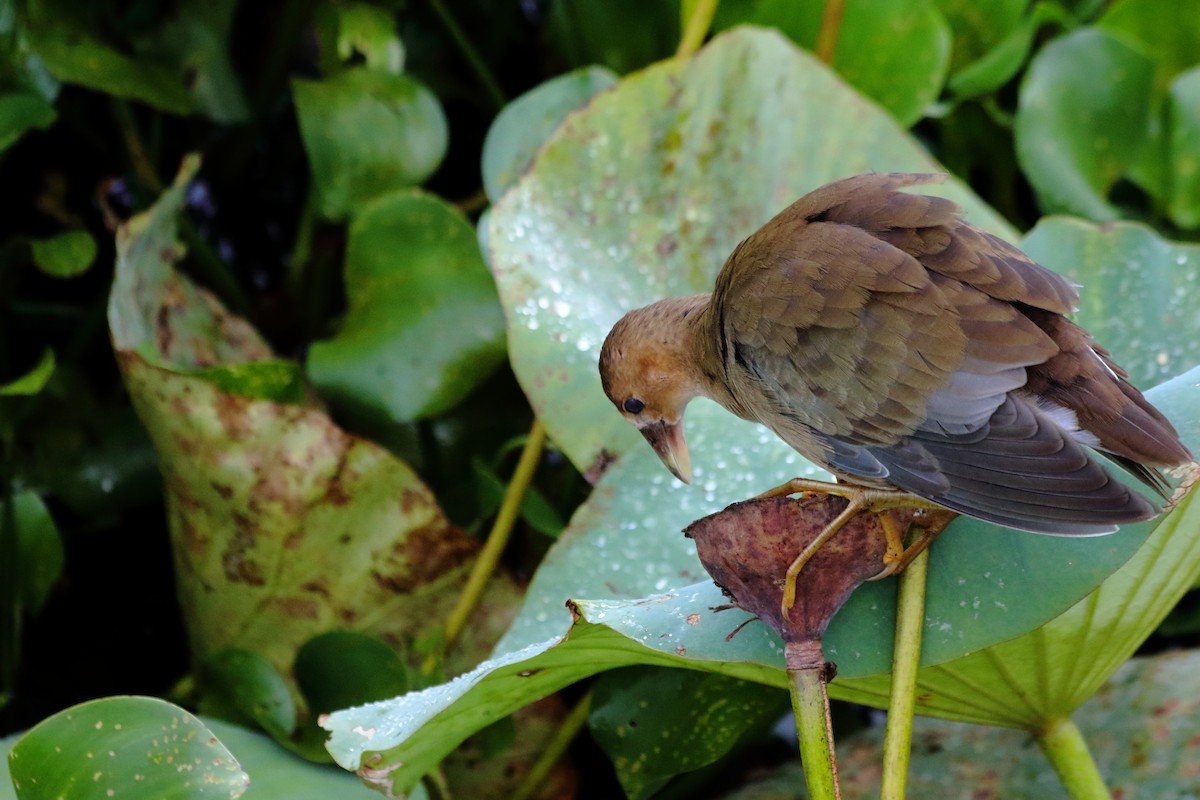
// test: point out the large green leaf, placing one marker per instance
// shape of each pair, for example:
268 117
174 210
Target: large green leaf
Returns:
1183 146
367 132
571 256
524 124
424 326
20 112
1138 295
1140 728
1074 142
647 190
63 35
131 747
1047 673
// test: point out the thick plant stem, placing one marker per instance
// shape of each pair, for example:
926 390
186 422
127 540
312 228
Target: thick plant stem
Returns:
810 704
910 619
497 539
831 26
554 749
1068 753
698 23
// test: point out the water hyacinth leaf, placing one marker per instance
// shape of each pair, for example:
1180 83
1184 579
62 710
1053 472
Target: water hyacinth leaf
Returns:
132 747
1164 30
896 53
367 133
1073 143
423 325
346 668
242 685
39 551
196 39
62 35
369 31
523 125
32 381
651 736
649 188
1138 292
1183 118
1046 674
21 112
262 496
1140 728
65 255
980 27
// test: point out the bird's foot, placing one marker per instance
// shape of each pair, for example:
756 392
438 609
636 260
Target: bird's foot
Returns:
859 499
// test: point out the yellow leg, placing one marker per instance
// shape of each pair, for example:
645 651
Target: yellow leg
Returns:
898 557
860 499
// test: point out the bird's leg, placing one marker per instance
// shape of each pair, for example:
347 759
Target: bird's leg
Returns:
898 556
793 572
859 499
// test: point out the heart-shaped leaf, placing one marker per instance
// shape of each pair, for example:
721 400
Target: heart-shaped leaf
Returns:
367 133
135 747
423 327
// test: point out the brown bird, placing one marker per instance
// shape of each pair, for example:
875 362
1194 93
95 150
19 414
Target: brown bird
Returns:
913 355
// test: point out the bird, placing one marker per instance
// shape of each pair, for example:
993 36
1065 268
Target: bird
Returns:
924 362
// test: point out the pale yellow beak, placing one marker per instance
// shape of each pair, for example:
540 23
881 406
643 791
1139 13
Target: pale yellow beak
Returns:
667 440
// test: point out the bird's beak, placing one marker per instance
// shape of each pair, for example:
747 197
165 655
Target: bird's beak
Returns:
667 440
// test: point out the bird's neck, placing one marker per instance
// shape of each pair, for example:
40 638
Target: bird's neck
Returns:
699 346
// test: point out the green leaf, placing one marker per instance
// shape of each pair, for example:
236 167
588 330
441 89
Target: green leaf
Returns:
370 31
655 723
650 187
242 685
31 382
195 38
394 742
131 747
39 550
1046 674
1165 31
20 112
62 35
423 327
1183 122
998 64
1138 292
344 668
979 28
523 125
536 510
279 381
1074 142
367 133
65 255
896 53
1140 728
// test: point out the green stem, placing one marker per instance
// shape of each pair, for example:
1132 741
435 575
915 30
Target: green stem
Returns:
486 78
831 26
697 27
810 705
553 750
489 556
910 620
1068 753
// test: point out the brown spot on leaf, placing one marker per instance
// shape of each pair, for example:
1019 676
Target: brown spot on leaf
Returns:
598 467
236 562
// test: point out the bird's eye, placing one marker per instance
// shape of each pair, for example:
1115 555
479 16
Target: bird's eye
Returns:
634 406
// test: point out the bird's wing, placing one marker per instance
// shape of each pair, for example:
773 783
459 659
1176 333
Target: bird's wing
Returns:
880 328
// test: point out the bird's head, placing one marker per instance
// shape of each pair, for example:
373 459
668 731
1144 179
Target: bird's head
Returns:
649 373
